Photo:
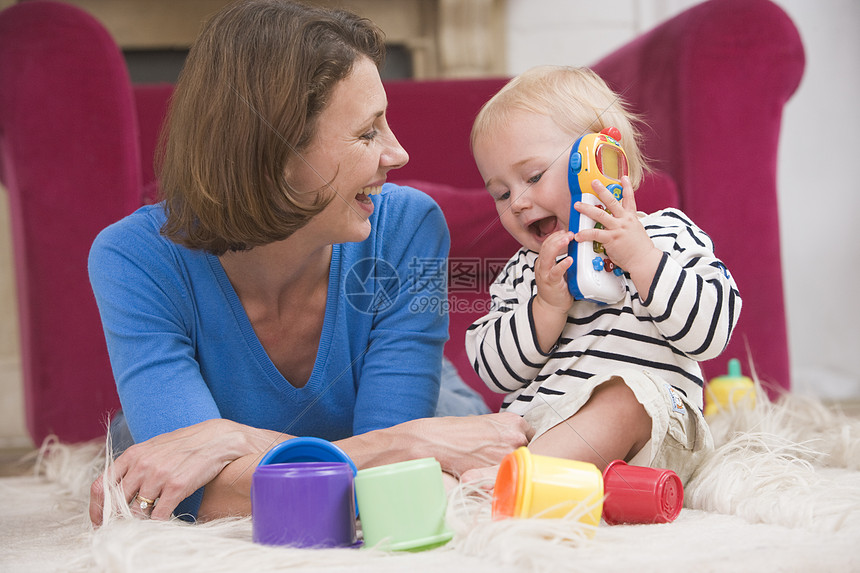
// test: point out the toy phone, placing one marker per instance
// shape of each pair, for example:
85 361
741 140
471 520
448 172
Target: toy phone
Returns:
593 276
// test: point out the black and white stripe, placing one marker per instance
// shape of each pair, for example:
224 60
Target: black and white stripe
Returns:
688 316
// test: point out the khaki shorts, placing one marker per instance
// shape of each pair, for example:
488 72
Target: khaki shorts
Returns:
680 437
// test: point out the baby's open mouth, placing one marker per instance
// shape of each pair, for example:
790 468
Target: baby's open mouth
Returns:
544 227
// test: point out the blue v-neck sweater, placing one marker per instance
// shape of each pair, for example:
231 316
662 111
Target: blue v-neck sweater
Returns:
183 350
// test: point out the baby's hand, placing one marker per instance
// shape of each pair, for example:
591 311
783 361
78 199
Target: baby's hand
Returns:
626 242
551 274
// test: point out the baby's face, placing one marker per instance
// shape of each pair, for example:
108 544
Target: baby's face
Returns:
524 168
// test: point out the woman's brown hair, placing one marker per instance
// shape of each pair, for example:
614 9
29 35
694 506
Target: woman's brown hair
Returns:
254 82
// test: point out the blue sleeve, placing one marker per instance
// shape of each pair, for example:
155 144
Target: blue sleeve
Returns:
400 377
149 330
149 334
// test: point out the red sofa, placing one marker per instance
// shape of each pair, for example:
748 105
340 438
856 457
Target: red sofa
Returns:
77 139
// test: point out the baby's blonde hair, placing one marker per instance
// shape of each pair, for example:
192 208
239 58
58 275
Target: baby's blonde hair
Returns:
576 99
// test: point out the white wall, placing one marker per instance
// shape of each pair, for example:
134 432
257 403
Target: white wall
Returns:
819 193
820 201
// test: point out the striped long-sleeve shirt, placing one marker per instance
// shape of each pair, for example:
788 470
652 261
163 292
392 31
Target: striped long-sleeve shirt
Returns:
687 316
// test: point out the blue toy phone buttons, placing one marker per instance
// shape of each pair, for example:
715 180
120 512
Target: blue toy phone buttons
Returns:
575 161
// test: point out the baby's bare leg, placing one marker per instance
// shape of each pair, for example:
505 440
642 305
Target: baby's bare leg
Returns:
612 425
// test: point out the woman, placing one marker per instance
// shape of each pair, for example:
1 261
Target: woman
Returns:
268 295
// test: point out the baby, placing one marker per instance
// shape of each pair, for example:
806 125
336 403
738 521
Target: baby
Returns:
598 382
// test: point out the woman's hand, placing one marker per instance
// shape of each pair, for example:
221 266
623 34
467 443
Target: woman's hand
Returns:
170 467
626 242
469 442
458 443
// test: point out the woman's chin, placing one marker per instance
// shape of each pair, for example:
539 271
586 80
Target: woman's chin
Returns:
360 232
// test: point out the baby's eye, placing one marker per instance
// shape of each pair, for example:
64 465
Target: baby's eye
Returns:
370 135
503 196
534 179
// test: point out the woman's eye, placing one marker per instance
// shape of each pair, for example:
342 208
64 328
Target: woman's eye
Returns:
370 135
534 179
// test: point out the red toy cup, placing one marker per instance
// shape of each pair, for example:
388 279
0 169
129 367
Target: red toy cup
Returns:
636 494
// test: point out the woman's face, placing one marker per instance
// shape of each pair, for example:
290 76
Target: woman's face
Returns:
350 155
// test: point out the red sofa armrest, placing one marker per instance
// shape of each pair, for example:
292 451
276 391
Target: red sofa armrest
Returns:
70 162
711 84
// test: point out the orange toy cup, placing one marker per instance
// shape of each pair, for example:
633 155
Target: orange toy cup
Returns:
637 494
529 485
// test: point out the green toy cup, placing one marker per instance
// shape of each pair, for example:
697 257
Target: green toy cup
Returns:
402 506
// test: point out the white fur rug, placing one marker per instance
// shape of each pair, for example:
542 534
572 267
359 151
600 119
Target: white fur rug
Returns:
780 493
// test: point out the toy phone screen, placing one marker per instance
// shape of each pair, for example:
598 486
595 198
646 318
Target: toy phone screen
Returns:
611 162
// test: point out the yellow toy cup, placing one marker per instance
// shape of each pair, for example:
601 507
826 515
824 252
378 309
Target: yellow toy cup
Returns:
731 391
529 485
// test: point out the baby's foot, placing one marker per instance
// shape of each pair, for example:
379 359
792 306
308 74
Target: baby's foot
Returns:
484 478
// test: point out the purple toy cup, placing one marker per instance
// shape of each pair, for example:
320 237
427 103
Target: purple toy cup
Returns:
305 504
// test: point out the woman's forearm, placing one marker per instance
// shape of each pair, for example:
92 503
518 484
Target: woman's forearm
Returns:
229 494
458 443
386 446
